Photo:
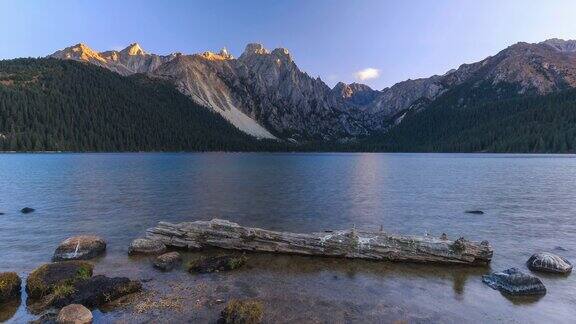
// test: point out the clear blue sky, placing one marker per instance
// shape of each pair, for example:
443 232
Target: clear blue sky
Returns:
332 39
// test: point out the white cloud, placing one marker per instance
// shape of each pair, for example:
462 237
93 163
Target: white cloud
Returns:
367 74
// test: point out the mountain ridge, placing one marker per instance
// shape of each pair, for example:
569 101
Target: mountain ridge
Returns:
266 95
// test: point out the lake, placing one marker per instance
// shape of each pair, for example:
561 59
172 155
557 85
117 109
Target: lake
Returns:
529 203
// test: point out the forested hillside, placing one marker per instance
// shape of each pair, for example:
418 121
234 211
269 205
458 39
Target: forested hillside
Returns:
477 119
60 105
57 105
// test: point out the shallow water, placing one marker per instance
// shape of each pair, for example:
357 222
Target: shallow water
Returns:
528 202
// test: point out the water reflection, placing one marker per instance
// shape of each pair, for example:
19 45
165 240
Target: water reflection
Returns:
528 202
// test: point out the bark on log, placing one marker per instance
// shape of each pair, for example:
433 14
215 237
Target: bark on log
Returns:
344 243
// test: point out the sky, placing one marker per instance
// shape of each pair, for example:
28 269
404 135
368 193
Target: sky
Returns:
376 42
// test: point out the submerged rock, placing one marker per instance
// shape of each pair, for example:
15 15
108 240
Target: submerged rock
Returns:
146 246
74 314
168 261
97 291
476 212
10 286
515 282
47 318
56 277
27 210
82 247
248 311
218 263
549 262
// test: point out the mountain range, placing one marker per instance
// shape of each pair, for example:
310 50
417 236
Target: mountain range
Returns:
266 95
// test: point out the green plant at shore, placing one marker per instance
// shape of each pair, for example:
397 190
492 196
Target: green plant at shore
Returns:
64 289
249 311
237 262
84 273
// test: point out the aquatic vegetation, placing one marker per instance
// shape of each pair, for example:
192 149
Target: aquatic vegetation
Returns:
247 311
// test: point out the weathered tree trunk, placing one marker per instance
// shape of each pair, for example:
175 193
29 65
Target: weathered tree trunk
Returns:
345 243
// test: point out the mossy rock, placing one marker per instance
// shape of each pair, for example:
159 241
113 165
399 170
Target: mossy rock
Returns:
58 277
248 311
10 285
217 263
95 291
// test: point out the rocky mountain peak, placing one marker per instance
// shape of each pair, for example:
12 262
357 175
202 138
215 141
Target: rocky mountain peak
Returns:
133 49
561 45
255 49
282 53
79 51
225 54
220 56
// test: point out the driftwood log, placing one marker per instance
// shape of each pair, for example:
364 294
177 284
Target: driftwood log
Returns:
343 243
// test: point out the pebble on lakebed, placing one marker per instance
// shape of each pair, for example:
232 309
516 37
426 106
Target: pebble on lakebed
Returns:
82 247
549 262
514 282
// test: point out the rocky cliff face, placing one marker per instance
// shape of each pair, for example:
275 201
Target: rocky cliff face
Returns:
265 94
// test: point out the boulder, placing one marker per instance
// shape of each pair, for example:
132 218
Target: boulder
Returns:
146 246
515 282
549 262
27 210
168 261
97 291
10 286
218 263
248 311
475 212
82 247
57 277
74 314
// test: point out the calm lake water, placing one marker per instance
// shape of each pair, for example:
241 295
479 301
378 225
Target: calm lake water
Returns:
529 203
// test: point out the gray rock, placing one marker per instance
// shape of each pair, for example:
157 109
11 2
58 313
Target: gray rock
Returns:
146 246
74 314
168 261
549 262
514 282
82 247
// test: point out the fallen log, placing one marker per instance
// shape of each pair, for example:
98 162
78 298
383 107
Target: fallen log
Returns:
343 243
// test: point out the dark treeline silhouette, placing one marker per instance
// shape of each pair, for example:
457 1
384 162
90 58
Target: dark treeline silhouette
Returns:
476 118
